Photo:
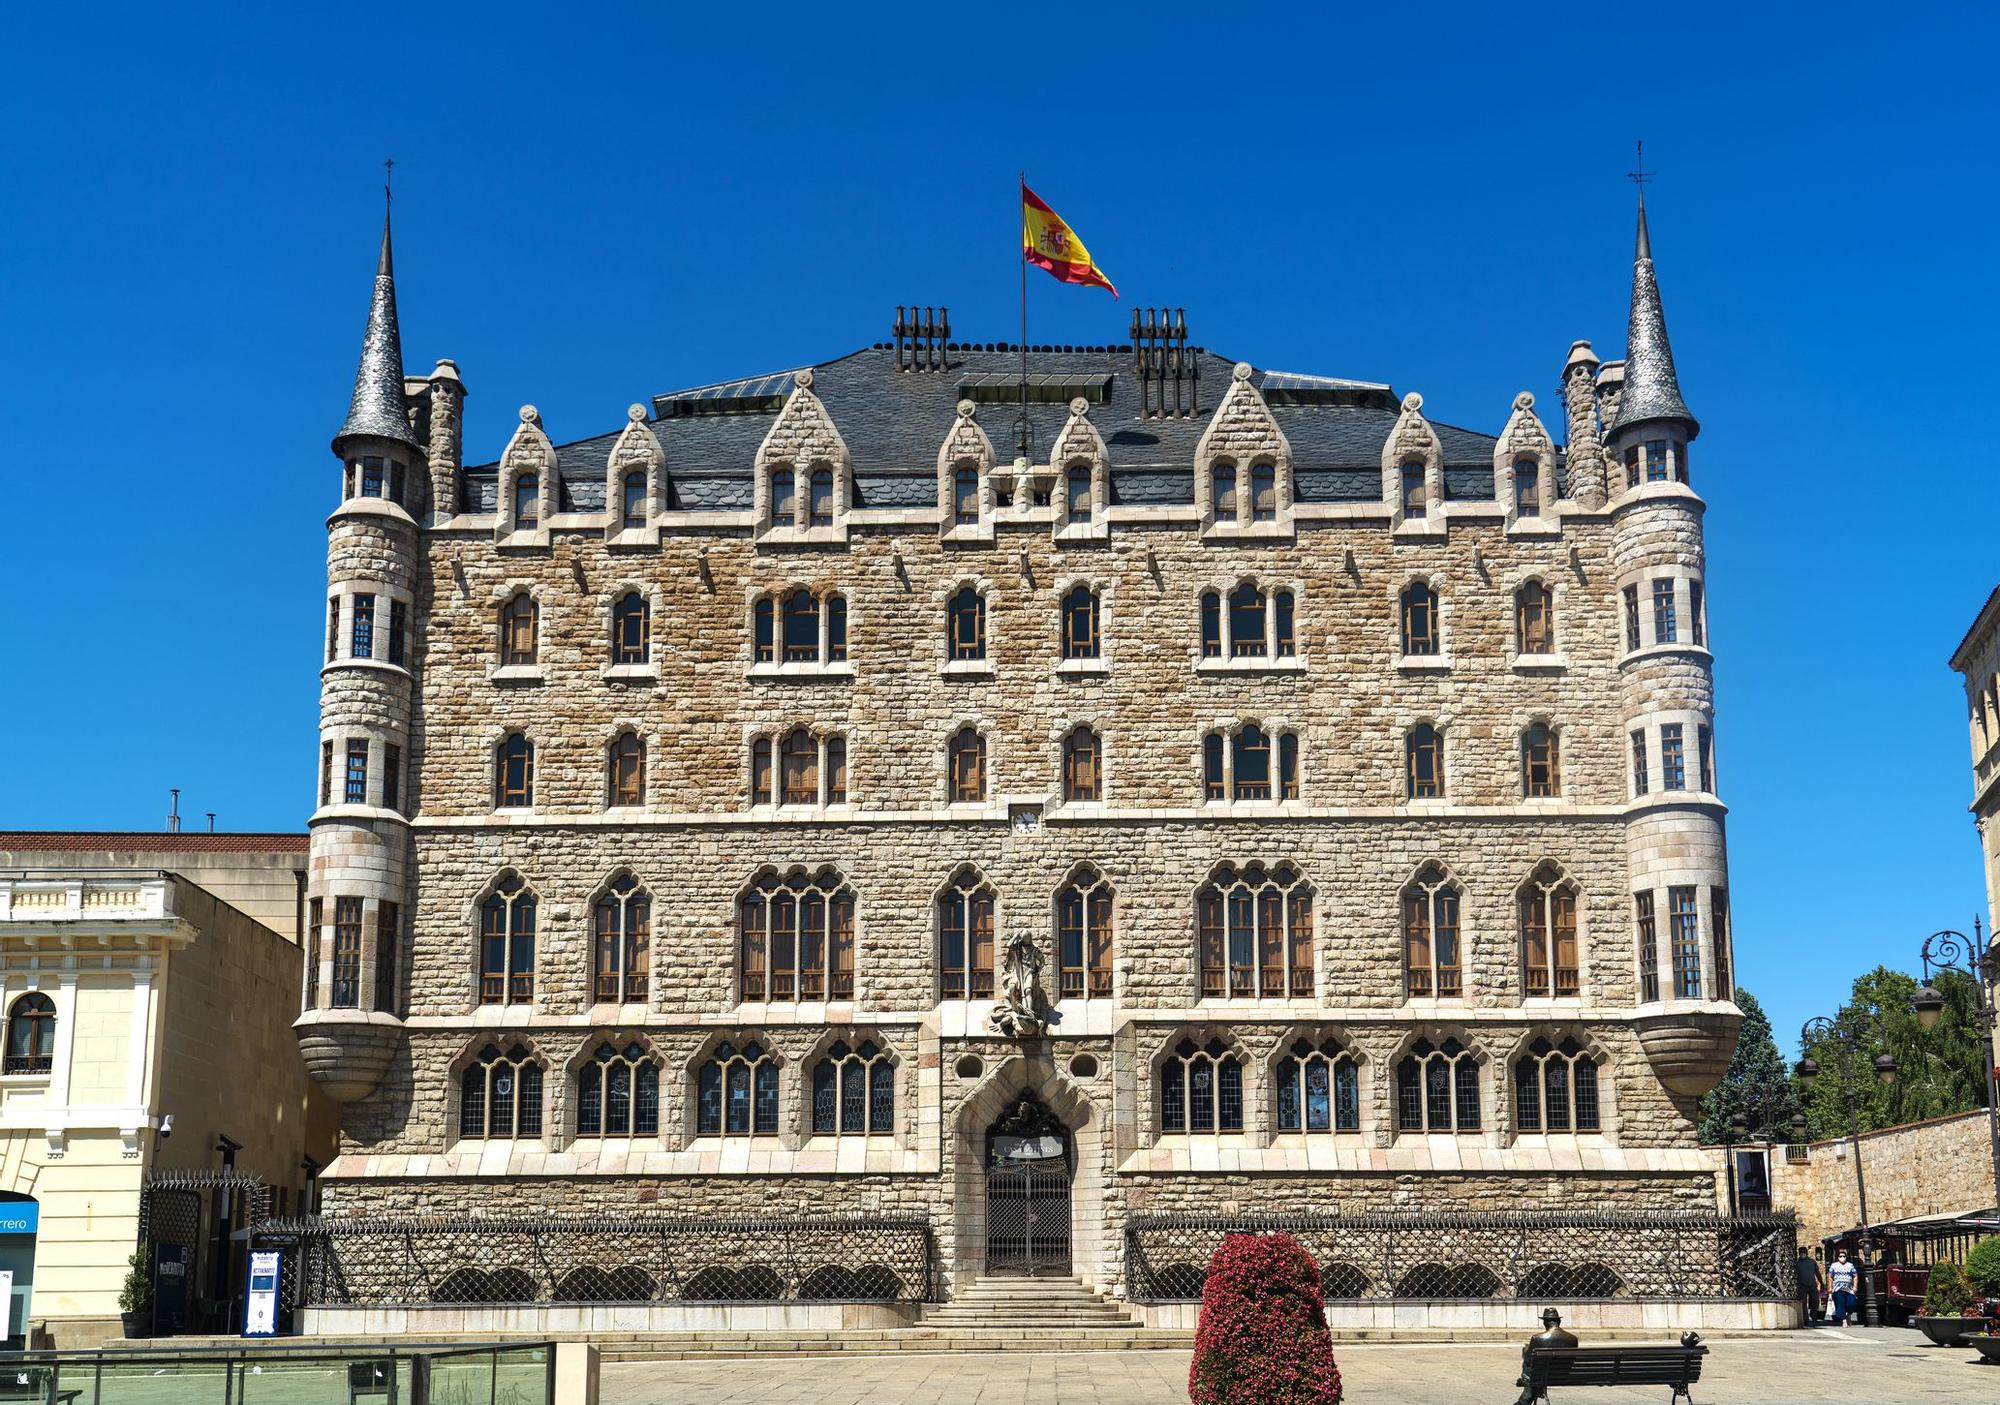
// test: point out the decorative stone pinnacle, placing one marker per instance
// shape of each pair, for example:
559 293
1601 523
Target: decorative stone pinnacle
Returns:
1241 371
636 413
966 409
1412 403
530 415
803 379
1525 400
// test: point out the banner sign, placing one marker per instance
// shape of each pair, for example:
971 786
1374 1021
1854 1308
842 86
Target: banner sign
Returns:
260 1304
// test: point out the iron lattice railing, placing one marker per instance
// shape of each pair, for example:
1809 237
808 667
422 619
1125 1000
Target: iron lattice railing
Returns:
494 1261
1548 1257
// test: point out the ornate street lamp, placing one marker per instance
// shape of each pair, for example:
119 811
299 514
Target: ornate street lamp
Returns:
1968 956
1818 1030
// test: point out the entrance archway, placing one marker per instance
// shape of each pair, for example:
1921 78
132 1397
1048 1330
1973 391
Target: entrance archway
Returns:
1033 1071
1029 1166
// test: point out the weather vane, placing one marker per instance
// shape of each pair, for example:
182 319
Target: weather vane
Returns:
1640 175
388 176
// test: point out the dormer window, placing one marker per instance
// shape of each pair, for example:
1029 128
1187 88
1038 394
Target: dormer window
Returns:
821 487
527 501
965 495
1223 491
1077 485
635 498
1264 492
784 497
1416 492
1527 488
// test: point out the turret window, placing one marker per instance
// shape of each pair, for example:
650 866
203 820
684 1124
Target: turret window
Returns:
634 486
1641 781
965 915
1656 461
514 772
1684 927
332 629
1424 750
356 789
622 949
363 632
1555 1089
398 629
1664 624
631 629
1318 1089
736 1092
1631 618
527 501
1541 763
1201 1089
1648 941
31 1034
1718 909
1432 961
1083 935
854 1091
392 776
1547 903
346 993
501 1095
797 937
388 944
1697 629
507 944
1705 757
1254 933
1437 1089
1420 633
371 477
519 629
618 1093
1673 757
625 770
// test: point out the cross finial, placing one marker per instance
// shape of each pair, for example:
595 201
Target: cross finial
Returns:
388 176
1639 175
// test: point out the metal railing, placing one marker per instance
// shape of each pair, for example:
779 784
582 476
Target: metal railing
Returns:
1549 1257
274 1373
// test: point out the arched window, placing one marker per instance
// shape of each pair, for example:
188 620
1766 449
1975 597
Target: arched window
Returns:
1547 903
966 767
618 1093
625 770
527 500
854 1091
507 944
1318 1089
1246 622
1077 492
1555 1089
1416 492
1222 491
519 628
635 498
631 629
1420 619
820 485
801 627
965 624
513 772
622 920
1437 1088
500 1095
1211 624
836 629
965 937
798 768
797 937
965 495
1534 619
1255 932
1201 1089
1527 488
736 1092
1263 492
808 769
1424 749
784 498
1083 765
1083 935
1079 624
1241 765
1541 763
31 1034
1432 963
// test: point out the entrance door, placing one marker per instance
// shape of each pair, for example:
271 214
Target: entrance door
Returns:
1028 1170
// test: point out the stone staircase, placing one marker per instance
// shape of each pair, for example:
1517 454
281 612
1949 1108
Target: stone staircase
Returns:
1044 1307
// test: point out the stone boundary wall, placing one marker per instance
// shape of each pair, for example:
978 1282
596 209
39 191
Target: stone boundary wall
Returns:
1940 1167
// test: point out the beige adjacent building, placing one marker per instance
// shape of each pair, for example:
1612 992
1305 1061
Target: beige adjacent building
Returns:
1977 660
131 992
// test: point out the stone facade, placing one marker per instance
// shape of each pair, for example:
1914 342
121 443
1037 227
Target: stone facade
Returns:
822 481
1977 660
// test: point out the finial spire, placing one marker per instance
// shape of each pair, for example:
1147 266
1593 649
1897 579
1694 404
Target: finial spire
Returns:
1652 388
378 408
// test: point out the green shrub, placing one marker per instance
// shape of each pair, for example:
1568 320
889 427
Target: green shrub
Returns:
137 1294
1949 1293
1982 1266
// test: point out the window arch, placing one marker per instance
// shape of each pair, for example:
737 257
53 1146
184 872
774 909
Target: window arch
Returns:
507 943
1535 619
966 920
514 772
500 1094
1077 493
625 770
1248 763
1419 610
1437 1088
1084 907
965 495
784 497
1547 905
631 629
31 1034
520 628
1541 762
736 1092
618 1093
634 506
622 949
1432 960
1082 765
1201 1089
1318 1088
965 625
965 758
820 497
1423 752
797 936
1555 1089
1255 930
1080 636
854 1091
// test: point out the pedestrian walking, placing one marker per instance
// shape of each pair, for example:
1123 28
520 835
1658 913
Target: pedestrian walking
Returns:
1841 1276
1809 1283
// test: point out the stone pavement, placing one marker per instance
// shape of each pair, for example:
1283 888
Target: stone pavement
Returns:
1851 1367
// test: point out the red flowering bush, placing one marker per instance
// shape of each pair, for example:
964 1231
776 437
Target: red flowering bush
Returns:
1263 1338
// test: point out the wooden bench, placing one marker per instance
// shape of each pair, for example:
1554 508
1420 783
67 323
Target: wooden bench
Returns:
1638 1364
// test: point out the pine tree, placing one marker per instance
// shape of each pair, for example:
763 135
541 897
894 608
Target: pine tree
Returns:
1757 1084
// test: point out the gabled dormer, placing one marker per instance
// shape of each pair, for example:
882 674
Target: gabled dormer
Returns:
804 474
1243 466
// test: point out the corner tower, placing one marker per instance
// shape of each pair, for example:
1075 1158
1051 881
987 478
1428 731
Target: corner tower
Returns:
1678 864
358 889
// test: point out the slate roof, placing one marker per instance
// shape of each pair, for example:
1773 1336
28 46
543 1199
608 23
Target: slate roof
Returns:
893 422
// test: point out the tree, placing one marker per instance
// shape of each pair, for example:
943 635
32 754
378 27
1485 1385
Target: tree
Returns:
1758 1084
1262 1339
1939 1071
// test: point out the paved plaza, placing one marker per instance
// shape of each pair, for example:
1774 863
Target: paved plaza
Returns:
1884 1365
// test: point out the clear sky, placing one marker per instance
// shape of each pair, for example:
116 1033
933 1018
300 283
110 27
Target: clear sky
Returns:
594 207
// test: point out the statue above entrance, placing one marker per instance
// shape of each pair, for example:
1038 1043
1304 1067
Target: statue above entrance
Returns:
1023 1008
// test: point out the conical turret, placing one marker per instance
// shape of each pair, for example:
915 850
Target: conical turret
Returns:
1652 390
378 409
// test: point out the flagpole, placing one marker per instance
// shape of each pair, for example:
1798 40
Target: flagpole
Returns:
1022 427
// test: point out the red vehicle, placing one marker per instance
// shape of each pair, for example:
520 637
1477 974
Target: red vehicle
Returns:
1899 1271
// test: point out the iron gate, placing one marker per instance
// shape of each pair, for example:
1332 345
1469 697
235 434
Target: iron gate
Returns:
1027 1191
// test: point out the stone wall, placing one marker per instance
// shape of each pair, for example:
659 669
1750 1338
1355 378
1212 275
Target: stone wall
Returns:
1940 1167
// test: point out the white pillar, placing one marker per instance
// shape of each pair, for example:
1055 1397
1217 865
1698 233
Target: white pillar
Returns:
139 1039
65 1001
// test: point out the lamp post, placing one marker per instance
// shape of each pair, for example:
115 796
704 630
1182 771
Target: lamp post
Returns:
1739 1128
1817 1030
1968 956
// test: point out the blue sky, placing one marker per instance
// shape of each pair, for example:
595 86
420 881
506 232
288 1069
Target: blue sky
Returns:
596 206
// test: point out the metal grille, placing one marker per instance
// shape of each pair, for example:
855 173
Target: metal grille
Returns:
470 1260
1027 1217
1546 1257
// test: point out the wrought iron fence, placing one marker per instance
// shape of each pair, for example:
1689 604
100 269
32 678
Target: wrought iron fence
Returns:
503 1261
1548 1257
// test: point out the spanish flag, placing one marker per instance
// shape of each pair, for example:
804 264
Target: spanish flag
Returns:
1048 243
